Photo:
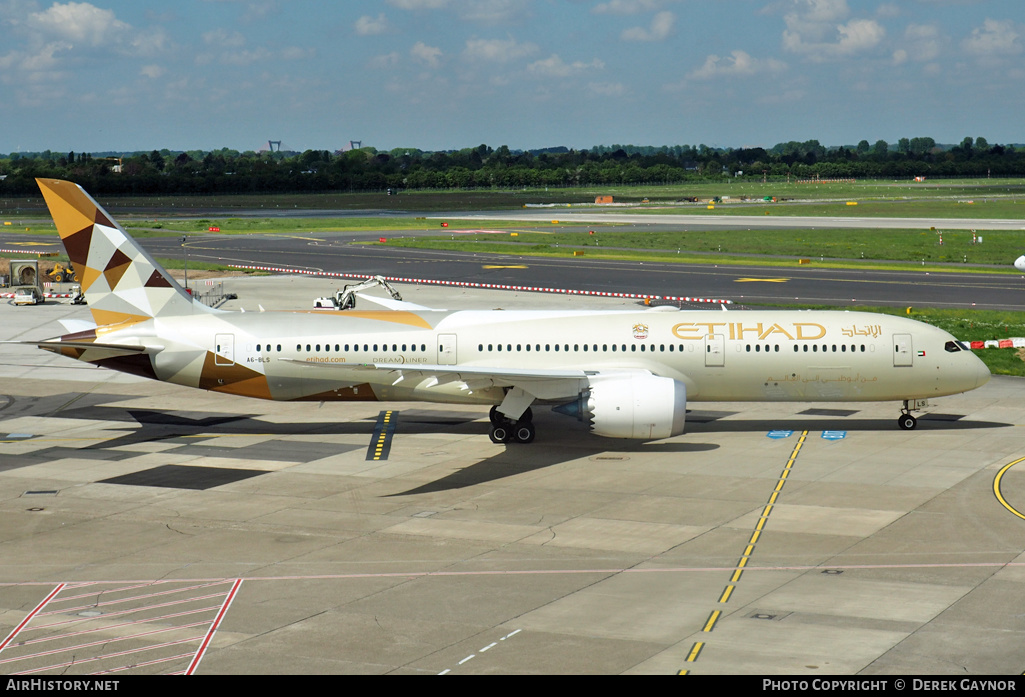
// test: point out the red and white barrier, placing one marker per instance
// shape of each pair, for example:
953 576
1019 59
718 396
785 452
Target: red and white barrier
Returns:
45 295
1015 342
489 286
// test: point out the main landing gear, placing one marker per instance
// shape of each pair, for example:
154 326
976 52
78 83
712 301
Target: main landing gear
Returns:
906 421
505 430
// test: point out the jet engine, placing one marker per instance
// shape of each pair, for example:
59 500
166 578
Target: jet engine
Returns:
634 405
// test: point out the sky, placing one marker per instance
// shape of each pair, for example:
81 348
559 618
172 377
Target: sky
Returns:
127 75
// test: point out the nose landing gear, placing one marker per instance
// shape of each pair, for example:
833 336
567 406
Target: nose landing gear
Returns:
906 421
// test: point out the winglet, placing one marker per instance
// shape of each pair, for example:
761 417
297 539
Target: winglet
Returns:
122 283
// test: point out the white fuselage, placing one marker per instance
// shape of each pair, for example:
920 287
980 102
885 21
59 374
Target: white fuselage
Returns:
771 355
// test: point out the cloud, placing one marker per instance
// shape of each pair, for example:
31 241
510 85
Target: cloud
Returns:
554 66
233 50
498 50
922 41
152 71
993 39
369 26
222 39
79 23
738 63
815 29
388 60
627 7
428 55
661 28
607 89
419 4
493 11
255 9
481 11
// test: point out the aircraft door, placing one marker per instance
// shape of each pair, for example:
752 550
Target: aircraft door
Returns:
447 349
715 350
903 350
224 349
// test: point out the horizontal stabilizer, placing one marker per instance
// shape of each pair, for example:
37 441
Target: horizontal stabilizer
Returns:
393 304
123 349
74 326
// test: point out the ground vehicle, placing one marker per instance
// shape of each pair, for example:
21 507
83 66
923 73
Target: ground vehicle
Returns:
27 295
62 274
346 299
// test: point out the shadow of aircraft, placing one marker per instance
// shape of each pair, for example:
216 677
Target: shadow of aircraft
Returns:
926 422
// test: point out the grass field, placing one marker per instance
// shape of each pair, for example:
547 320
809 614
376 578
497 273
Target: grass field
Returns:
952 191
910 246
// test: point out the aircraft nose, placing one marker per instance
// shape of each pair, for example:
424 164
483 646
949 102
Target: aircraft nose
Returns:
1019 263
982 373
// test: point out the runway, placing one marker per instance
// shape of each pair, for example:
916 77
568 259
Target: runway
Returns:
147 528
794 284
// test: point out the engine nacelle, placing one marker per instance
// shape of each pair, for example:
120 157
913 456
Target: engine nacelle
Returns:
646 407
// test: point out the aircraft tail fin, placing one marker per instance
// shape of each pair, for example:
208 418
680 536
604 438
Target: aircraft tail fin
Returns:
122 283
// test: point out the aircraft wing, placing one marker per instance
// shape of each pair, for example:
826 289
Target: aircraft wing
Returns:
435 369
542 383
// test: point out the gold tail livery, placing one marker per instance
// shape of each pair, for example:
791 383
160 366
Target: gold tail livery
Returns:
628 374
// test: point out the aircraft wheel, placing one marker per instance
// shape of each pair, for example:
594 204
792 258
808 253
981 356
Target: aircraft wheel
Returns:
907 421
524 432
499 434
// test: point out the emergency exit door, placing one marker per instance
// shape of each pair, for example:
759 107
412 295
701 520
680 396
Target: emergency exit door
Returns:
447 349
224 349
903 351
715 350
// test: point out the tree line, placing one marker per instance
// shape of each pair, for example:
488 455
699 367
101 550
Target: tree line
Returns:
368 169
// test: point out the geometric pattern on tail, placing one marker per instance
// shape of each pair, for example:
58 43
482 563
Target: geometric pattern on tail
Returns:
121 282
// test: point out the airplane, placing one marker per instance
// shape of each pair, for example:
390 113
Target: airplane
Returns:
1019 263
627 374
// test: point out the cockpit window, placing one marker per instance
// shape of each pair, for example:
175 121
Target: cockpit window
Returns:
955 346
